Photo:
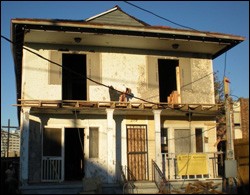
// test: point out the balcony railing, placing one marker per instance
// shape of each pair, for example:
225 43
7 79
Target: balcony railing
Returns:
117 105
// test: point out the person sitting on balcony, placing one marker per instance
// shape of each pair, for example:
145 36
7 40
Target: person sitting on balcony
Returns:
124 97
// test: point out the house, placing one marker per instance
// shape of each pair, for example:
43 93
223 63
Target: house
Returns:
69 75
241 118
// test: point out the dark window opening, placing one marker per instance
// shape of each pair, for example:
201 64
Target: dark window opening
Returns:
74 156
167 78
51 142
198 138
74 85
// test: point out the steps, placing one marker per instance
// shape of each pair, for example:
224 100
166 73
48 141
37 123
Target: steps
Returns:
145 187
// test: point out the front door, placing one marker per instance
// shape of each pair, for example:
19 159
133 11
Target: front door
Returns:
137 152
73 154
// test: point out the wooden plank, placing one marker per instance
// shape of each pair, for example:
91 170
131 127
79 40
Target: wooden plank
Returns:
241 147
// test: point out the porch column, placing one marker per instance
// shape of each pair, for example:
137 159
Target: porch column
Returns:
110 145
171 152
24 146
157 119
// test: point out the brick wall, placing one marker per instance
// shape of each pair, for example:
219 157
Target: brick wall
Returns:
244 102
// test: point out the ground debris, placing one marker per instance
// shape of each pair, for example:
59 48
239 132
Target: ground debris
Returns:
197 187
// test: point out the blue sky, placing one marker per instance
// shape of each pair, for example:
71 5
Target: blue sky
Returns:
229 17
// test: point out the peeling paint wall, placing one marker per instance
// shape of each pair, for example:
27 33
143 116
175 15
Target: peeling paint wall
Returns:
94 167
201 88
35 80
138 72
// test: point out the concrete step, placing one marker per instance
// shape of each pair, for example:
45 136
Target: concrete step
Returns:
145 187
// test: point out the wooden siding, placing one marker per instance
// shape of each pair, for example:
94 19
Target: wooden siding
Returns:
116 17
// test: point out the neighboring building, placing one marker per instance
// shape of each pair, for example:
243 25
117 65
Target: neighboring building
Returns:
14 143
241 118
171 107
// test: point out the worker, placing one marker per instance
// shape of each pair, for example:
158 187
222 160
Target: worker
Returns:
124 97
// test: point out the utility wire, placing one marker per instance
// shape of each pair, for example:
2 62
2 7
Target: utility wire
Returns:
197 80
159 16
68 69
207 33
110 87
225 65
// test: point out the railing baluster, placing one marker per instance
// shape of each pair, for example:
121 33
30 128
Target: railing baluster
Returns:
51 169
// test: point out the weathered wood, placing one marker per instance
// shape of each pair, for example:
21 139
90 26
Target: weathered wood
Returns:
241 147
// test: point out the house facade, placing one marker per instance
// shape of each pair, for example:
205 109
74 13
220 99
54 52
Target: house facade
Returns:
70 75
241 118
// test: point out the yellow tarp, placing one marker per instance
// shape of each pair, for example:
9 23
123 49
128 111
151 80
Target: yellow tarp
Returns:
192 164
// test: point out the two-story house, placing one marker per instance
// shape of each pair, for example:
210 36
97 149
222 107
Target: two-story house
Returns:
69 76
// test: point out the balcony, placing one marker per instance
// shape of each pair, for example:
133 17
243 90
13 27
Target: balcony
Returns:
121 108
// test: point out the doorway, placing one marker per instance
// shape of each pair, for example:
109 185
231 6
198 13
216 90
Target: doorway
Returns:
137 152
167 78
73 154
74 77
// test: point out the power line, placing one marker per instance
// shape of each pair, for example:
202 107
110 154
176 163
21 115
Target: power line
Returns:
159 16
207 33
197 79
225 65
192 134
110 87
75 72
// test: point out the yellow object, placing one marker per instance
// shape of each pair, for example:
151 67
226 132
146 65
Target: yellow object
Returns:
192 164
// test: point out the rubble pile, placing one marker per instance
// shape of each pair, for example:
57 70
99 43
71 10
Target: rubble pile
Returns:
197 187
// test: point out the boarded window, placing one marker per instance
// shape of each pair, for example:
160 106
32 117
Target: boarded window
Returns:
164 140
93 142
198 138
185 74
55 71
182 141
52 142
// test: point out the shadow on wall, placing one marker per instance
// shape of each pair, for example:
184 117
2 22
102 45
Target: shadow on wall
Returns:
114 95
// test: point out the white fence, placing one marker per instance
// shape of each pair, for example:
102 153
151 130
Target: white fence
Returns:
52 169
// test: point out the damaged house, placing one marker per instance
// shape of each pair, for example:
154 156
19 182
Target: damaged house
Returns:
69 76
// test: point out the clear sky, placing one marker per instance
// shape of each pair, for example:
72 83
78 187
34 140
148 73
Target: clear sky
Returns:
229 17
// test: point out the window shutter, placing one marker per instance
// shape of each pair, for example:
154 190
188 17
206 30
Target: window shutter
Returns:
55 71
94 66
185 74
152 66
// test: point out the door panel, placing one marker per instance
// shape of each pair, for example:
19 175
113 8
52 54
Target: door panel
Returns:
52 155
137 152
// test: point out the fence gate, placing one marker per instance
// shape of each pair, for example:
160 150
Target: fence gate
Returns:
137 152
